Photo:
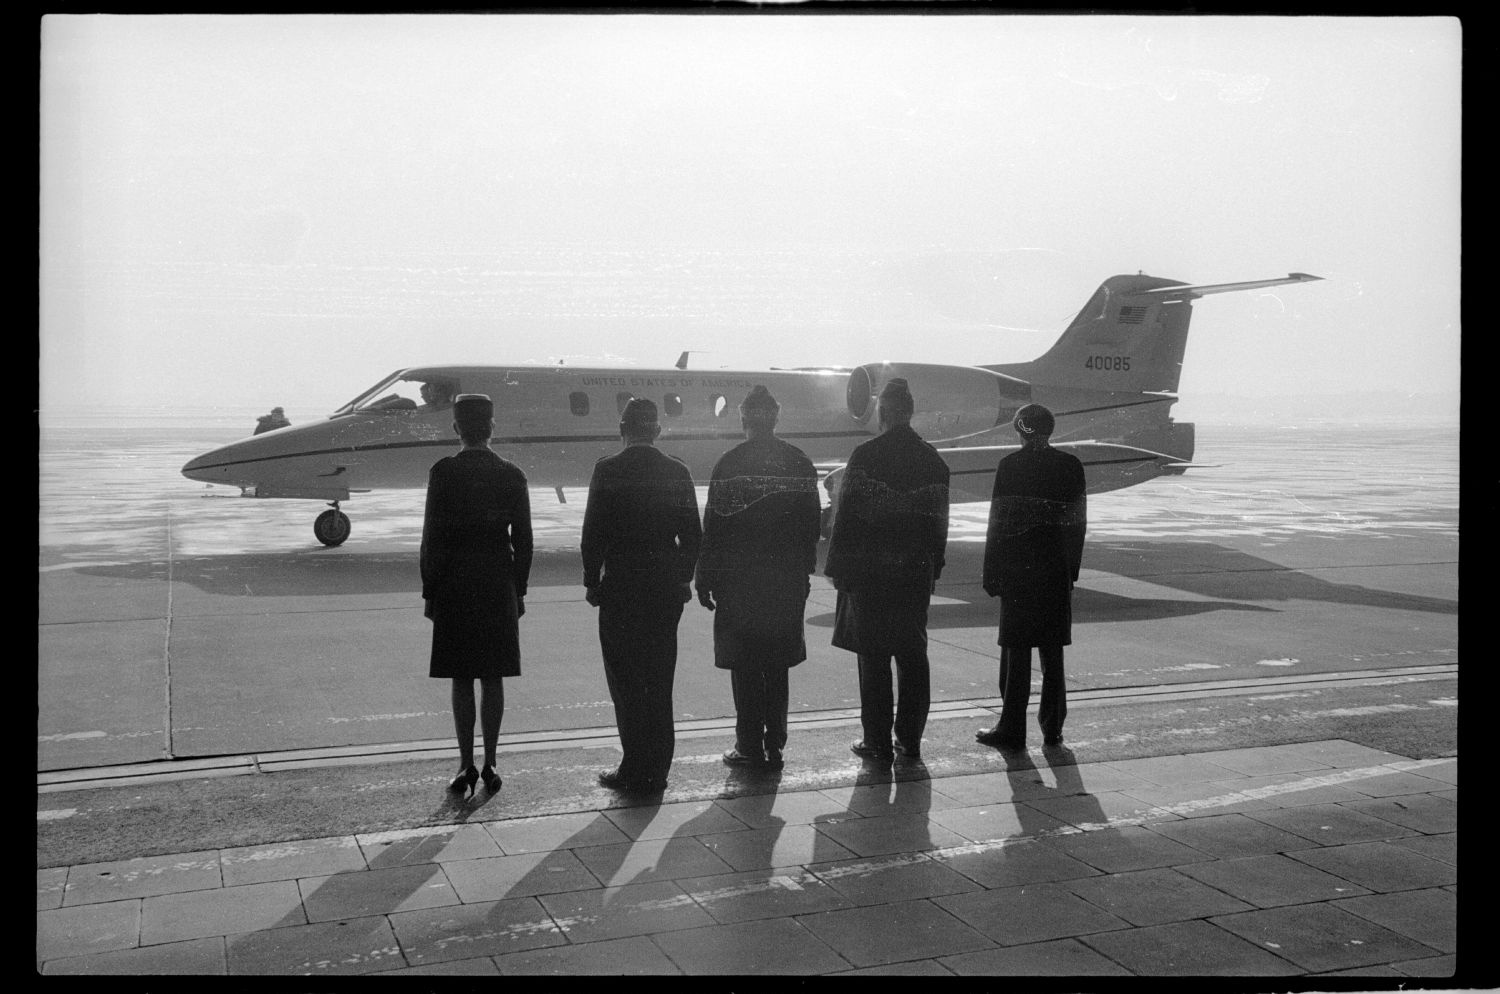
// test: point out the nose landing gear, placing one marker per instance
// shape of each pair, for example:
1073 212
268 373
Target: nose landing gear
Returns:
332 526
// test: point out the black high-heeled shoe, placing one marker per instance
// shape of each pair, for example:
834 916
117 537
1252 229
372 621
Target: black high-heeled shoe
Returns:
464 783
491 779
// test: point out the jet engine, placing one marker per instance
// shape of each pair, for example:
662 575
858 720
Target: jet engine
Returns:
951 401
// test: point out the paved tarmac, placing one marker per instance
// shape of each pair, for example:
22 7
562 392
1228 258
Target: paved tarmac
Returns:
1321 858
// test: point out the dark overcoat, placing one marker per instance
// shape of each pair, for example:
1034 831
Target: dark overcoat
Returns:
641 531
890 529
760 544
476 557
1034 545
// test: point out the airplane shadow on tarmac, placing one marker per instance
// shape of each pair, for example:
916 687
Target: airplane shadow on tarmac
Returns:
1235 580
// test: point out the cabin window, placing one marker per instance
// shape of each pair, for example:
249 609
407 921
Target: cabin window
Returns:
672 404
621 399
719 404
578 403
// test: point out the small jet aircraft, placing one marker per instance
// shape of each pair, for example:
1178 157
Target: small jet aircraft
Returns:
1110 380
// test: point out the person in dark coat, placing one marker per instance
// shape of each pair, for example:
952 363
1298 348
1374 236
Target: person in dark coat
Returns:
760 544
270 422
1032 554
640 542
475 559
885 555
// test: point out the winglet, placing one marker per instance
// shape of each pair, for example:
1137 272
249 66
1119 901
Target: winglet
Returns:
682 361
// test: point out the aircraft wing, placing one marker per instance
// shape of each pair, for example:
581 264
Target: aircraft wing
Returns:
1108 465
1194 292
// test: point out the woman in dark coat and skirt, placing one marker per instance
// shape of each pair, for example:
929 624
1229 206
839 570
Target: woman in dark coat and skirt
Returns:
476 556
1032 555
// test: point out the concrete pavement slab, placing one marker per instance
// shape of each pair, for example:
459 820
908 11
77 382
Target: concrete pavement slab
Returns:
225 911
121 717
481 966
289 860
1058 958
1380 866
467 931
1206 799
650 861
1100 809
1446 772
361 893
1169 770
913 968
616 912
635 956
1430 916
496 878
662 821
799 808
1425 813
775 893
1343 754
989 788
1229 836
779 946
324 949
1117 850
1332 824
762 848
1435 966
891 933
1441 847
1319 937
889 879
1188 949
1395 784
1272 880
874 800
92 883
1015 862
195 957
992 822
1015 916
1154 897
429 844
1265 760
547 832
903 833
86 929
50 883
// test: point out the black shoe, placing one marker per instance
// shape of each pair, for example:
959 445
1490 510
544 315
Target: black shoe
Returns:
773 759
1053 740
906 751
463 784
637 785
992 737
736 758
864 750
491 779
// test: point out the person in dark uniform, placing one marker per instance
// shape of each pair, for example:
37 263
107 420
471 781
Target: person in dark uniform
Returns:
1032 554
760 544
270 422
475 558
885 555
640 541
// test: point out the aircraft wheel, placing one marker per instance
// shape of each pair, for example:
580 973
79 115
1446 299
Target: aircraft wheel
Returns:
332 527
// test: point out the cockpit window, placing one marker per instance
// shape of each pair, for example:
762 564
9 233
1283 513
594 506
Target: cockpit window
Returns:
396 393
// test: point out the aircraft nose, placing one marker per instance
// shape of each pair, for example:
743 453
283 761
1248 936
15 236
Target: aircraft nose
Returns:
211 467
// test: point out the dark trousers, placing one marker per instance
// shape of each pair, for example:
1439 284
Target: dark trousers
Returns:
760 701
913 695
1015 690
639 646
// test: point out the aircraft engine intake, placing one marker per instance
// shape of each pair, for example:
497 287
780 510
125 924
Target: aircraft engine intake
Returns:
951 401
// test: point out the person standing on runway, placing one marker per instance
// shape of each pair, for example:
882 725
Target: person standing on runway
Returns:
890 529
640 542
760 544
475 560
1032 554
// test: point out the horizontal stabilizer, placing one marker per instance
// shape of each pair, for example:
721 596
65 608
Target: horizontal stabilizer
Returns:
1166 293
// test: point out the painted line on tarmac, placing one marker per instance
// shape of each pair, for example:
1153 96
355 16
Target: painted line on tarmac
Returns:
607 737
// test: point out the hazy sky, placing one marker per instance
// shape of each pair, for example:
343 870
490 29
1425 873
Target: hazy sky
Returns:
270 210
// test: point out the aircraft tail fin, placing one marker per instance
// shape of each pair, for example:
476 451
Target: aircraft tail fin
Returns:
1130 336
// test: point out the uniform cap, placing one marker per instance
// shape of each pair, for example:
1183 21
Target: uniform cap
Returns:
896 401
759 404
638 414
473 408
1034 421
277 410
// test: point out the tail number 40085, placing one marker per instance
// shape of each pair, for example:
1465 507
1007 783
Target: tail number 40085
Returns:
1110 362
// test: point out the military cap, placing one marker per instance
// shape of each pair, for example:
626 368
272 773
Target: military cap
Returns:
639 414
759 405
896 400
1034 421
473 408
